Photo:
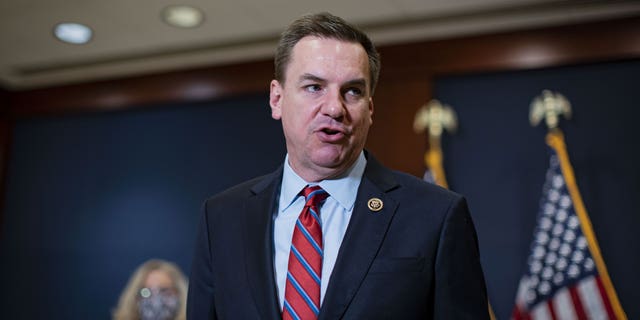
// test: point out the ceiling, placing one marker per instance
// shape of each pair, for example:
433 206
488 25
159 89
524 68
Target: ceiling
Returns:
130 38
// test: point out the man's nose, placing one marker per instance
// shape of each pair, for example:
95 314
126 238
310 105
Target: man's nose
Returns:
333 105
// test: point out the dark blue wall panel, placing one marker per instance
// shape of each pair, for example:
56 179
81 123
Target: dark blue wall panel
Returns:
499 161
90 197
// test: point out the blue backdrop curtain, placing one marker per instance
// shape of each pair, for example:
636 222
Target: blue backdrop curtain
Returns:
90 197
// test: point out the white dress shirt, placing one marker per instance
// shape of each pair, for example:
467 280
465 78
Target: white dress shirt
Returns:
335 214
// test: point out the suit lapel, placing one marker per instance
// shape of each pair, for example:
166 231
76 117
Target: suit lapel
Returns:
258 216
362 240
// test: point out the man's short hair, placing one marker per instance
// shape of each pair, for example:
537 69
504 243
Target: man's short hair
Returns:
324 25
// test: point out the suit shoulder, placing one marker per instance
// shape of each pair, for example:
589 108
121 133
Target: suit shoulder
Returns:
413 185
240 191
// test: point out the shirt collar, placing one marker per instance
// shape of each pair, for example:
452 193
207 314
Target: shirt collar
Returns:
343 188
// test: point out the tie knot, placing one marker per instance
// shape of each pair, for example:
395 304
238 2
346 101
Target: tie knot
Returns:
314 195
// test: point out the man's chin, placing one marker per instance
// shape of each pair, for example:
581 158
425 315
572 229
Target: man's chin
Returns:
329 157
337 159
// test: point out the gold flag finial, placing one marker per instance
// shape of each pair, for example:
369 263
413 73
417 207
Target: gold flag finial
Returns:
437 117
550 106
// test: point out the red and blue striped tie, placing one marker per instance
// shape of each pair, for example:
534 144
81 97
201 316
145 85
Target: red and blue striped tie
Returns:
302 291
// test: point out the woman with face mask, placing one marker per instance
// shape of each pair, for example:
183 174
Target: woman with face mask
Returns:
157 290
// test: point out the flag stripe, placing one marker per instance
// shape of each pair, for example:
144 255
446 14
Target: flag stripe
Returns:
552 311
517 314
605 299
540 312
590 296
577 303
563 305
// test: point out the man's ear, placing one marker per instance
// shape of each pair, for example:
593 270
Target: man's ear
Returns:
275 99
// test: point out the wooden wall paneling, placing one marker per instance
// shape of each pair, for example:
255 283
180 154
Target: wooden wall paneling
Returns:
145 91
391 138
519 50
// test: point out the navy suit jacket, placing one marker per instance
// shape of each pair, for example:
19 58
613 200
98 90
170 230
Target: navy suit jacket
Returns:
417 258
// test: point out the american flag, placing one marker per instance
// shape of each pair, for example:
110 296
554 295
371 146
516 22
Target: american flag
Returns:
562 280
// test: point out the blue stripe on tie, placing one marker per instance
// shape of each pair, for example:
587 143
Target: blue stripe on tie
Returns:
309 238
304 263
313 193
302 293
290 310
315 216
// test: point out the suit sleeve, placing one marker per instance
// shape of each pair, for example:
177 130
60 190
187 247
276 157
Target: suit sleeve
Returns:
460 291
200 299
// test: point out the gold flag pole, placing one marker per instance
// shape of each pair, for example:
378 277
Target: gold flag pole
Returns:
550 106
435 117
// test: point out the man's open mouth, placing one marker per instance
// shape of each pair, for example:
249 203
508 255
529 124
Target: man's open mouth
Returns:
331 131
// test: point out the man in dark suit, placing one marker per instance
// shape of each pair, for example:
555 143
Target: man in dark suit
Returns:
332 234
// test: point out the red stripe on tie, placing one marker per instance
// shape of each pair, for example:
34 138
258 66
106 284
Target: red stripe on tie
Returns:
286 315
305 281
307 252
298 304
309 261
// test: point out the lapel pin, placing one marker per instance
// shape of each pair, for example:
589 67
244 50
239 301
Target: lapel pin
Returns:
375 204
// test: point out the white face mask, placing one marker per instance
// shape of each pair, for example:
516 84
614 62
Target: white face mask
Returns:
158 307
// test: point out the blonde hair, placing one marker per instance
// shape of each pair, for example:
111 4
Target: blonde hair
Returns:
127 308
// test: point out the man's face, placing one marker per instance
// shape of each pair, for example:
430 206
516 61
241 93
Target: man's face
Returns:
325 106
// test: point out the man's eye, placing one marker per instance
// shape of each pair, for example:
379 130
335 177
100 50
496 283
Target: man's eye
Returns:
313 88
355 92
